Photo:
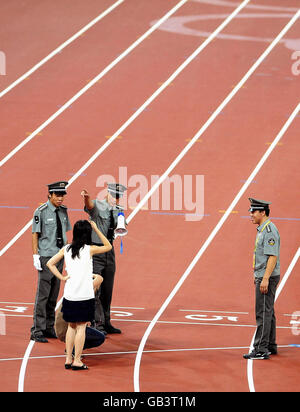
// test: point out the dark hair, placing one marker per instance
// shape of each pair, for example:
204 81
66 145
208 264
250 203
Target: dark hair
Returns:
82 235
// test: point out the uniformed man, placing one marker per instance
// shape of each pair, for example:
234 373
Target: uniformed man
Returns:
266 265
50 224
105 214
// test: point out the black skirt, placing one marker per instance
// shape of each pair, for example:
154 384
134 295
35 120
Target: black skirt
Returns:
78 311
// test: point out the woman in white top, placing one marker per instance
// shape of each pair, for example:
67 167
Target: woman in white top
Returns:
79 297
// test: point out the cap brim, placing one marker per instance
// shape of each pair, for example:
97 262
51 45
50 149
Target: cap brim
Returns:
62 192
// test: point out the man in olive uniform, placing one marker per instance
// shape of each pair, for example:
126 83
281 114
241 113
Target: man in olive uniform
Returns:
105 214
266 265
50 224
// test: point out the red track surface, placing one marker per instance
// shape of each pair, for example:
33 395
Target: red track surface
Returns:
159 246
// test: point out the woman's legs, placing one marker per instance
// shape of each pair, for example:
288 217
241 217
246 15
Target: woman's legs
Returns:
70 340
79 342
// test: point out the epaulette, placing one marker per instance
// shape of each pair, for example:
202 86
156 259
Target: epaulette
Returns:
268 229
63 206
43 206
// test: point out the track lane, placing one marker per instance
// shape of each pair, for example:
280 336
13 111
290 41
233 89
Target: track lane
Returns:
39 29
140 235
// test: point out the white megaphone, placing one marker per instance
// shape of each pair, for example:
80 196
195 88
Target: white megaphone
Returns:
121 229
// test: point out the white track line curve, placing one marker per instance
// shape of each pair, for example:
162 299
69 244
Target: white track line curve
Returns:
60 48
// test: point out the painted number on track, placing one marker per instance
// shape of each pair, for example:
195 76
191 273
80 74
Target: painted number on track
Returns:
211 318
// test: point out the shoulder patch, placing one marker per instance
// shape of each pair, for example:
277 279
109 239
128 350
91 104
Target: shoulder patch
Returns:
42 207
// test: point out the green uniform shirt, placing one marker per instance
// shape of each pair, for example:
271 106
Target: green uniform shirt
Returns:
44 223
267 243
101 215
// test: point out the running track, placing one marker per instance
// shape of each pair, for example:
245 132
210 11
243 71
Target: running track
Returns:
196 342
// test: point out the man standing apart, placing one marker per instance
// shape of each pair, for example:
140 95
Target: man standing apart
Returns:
266 265
50 224
105 214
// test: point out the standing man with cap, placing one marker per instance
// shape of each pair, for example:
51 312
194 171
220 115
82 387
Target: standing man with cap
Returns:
50 224
266 265
105 214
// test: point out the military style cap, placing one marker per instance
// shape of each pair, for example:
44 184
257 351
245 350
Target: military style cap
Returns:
58 187
116 189
256 204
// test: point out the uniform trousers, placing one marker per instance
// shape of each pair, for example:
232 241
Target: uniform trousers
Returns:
265 336
46 298
104 264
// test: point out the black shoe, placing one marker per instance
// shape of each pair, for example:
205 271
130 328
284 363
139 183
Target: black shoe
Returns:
272 351
256 355
109 328
38 338
79 368
50 334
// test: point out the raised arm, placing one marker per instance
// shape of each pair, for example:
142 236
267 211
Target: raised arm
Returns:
106 244
88 202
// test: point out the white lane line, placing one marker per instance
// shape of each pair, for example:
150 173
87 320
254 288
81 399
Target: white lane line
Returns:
60 48
226 214
133 117
91 83
130 352
278 291
134 352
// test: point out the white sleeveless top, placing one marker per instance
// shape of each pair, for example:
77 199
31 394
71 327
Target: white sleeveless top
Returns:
80 284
